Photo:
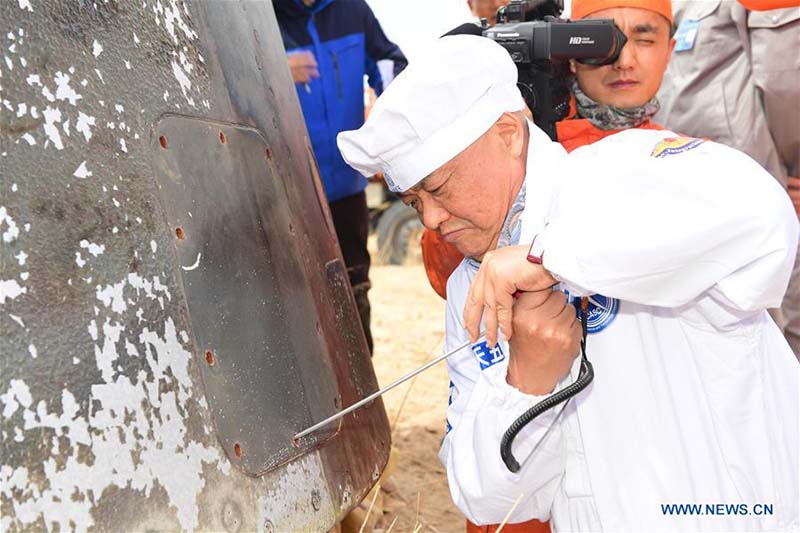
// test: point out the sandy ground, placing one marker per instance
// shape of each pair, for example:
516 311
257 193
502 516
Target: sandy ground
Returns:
408 329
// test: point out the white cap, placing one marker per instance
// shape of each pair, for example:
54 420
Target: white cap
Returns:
439 105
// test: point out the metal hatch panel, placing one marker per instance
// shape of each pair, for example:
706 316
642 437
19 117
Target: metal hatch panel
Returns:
250 307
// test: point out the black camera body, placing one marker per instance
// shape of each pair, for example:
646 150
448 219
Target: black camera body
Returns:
541 45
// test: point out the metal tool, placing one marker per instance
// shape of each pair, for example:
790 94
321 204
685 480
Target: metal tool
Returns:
380 392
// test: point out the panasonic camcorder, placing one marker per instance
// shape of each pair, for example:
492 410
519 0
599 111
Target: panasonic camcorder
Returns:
541 45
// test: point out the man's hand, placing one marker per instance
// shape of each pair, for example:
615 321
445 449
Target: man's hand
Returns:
503 272
547 338
303 66
793 187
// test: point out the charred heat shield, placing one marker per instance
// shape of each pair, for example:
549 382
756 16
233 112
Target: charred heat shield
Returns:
173 303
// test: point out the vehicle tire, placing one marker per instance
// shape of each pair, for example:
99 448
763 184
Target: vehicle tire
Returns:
399 232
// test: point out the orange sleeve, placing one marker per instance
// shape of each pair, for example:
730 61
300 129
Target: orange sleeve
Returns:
764 5
440 259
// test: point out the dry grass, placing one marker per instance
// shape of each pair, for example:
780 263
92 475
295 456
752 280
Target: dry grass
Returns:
408 328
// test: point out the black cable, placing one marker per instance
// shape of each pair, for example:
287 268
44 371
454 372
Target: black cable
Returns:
585 376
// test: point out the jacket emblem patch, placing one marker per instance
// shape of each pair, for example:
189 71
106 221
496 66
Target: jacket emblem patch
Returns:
675 145
488 356
601 312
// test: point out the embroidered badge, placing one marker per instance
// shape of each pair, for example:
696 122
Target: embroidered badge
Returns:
488 356
601 313
675 145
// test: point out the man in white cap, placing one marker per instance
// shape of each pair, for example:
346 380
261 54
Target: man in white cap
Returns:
692 421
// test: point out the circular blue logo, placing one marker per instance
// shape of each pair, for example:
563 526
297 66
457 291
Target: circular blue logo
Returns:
601 312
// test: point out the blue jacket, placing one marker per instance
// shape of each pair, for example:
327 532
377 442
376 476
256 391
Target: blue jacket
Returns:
347 42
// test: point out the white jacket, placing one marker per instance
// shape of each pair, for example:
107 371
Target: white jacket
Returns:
695 397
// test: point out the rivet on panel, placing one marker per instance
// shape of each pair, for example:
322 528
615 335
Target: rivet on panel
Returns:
222 138
179 233
163 142
268 152
237 449
210 358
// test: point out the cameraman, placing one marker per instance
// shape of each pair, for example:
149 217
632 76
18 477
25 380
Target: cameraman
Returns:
608 99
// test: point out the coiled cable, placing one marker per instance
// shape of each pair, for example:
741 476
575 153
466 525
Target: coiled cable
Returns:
585 376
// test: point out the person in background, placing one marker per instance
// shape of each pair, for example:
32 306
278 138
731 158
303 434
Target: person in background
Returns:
607 100
331 45
735 78
486 9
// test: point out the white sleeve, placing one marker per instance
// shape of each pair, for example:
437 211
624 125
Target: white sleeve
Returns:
482 407
663 231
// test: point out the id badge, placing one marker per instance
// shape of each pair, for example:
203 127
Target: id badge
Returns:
686 35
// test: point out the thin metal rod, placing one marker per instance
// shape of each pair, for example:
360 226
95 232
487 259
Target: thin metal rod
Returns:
382 391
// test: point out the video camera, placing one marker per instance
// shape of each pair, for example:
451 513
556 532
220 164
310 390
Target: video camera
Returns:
541 45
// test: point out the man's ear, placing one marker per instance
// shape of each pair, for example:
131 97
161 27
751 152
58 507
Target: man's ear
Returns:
511 129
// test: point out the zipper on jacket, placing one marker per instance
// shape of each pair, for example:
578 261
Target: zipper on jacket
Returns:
338 75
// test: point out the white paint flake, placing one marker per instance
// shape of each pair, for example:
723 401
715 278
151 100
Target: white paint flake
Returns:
153 246
85 122
25 4
19 321
48 94
97 48
21 257
111 296
51 116
30 139
63 89
21 110
10 289
32 351
183 81
12 232
123 146
33 79
82 172
17 394
94 249
79 260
